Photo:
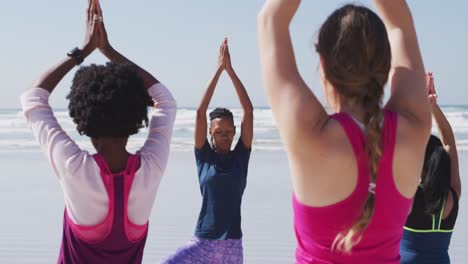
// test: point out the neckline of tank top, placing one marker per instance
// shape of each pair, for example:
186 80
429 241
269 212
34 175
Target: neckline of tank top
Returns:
360 124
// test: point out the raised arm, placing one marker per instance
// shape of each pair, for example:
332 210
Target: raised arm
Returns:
63 154
155 151
54 75
297 111
408 82
201 125
113 55
247 118
447 137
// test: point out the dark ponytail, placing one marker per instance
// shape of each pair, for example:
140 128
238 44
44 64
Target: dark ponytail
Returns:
435 178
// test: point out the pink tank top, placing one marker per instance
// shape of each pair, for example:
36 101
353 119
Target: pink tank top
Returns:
317 227
97 233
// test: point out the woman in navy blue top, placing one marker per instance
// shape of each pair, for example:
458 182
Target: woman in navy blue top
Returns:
428 229
222 175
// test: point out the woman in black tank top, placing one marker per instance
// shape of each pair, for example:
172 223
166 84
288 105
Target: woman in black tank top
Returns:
428 229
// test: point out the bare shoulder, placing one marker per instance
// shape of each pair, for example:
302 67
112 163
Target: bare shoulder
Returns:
315 141
324 169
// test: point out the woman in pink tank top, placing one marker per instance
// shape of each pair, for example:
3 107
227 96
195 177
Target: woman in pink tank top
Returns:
355 172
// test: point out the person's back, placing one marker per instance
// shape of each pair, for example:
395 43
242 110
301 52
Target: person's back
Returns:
317 227
108 196
341 191
116 238
428 229
426 238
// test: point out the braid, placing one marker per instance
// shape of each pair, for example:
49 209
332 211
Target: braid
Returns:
373 120
371 103
356 53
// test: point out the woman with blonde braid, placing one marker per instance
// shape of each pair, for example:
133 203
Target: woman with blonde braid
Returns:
355 172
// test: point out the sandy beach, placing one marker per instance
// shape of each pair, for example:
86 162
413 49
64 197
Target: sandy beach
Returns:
32 210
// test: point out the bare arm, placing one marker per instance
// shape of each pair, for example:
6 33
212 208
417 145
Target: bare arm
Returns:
408 93
247 118
113 55
201 125
287 92
54 75
64 155
447 137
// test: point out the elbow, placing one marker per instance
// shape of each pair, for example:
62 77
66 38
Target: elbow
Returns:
277 14
262 16
265 22
162 97
264 19
249 110
170 99
248 116
201 113
174 102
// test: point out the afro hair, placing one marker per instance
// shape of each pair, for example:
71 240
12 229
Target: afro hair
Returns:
108 100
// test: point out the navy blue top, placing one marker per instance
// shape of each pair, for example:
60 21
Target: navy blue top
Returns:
222 179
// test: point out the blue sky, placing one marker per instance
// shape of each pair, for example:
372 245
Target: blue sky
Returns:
178 42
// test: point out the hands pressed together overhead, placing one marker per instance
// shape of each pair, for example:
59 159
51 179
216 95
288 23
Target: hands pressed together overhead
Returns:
95 38
431 88
224 58
96 34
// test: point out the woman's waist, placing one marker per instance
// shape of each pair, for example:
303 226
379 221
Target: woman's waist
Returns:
362 255
426 240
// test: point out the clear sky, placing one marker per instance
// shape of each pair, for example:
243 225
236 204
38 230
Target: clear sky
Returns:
178 40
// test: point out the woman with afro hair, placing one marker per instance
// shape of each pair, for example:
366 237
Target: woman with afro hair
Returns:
108 195
222 175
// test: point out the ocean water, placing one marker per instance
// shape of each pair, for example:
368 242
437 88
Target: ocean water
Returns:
16 136
31 201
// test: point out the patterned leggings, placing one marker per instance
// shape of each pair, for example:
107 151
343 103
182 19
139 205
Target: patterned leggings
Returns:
202 251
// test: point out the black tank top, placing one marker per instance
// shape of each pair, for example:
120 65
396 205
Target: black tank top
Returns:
420 220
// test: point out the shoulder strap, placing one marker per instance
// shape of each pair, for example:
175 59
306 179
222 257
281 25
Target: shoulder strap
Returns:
455 201
454 208
106 174
133 164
